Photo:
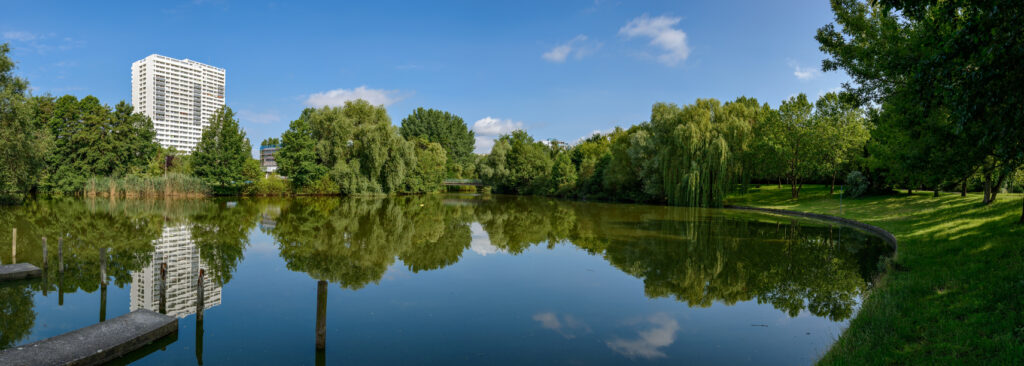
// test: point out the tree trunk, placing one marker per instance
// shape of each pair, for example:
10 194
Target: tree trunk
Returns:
910 191
936 192
988 189
780 182
833 189
999 183
963 188
1022 212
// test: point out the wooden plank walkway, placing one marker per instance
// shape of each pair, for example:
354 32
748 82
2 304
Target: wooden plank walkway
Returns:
95 344
19 271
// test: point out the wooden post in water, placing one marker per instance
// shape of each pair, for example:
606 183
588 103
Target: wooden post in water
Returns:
103 284
46 284
199 296
14 246
200 304
60 271
163 288
321 315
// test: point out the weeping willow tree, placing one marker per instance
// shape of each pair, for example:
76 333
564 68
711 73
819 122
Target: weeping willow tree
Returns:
699 148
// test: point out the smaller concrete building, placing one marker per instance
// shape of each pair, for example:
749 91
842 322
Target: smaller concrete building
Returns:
267 161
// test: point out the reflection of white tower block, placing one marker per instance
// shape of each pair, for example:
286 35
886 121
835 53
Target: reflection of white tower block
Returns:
176 248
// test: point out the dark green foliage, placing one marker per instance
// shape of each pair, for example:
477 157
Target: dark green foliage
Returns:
223 156
270 141
24 142
518 164
856 184
297 159
429 170
446 129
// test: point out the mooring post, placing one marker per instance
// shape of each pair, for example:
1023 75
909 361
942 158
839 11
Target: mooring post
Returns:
46 284
200 304
14 246
199 296
103 284
163 288
321 315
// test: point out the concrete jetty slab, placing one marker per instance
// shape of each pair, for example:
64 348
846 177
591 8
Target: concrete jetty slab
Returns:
95 344
19 271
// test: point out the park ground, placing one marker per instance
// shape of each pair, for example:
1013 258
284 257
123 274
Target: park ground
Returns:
955 292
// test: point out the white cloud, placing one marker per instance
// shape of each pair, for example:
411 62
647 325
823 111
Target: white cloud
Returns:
803 73
660 29
548 320
256 117
488 128
338 97
20 36
577 47
647 345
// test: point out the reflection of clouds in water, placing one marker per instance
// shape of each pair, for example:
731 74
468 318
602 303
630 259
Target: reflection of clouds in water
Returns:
568 330
662 335
481 243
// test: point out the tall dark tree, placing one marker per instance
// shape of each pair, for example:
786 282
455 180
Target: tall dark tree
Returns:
220 157
23 143
446 129
953 64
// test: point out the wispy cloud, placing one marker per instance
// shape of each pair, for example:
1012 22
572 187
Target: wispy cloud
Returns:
20 36
663 35
488 128
648 342
257 117
578 47
480 242
42 43
338 97
803 73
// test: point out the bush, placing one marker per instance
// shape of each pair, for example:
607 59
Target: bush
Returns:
273 185
856 184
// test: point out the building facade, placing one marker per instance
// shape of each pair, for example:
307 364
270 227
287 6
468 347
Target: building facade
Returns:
180 96
267 157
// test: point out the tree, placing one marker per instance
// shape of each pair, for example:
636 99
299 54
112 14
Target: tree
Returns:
221 155
270 141
297 159
518 164
954 64
446 129
23 144
429 171
352 149
843 130
791 138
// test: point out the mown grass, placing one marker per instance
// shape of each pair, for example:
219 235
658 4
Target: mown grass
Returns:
956 292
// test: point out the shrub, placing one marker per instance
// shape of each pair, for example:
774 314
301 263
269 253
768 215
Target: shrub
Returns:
273 185
856 184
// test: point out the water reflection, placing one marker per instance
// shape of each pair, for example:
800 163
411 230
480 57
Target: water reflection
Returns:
660 333
179 258
695 257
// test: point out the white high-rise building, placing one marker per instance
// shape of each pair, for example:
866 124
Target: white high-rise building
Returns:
179 96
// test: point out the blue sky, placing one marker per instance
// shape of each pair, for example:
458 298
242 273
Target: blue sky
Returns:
559 69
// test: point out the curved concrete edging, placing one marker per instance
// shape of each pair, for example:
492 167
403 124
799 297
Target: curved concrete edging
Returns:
885 235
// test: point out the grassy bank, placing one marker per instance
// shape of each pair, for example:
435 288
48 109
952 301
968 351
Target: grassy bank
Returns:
956 294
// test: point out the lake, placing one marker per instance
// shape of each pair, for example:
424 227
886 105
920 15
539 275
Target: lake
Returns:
440 279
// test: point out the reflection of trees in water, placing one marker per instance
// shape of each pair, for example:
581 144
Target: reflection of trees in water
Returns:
16 314
353 241
221 232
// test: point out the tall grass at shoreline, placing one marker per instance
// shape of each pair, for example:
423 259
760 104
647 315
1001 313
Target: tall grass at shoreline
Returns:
170 185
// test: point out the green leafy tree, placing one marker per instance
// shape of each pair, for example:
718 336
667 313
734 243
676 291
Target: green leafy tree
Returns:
791 138
429 171
222 153
24 144
270 141
954 65
298 159
518 164
844 131
446 129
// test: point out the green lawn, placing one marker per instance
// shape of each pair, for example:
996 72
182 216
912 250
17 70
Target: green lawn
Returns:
956 295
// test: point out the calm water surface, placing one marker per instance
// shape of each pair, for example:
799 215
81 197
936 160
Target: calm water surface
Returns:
449 279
